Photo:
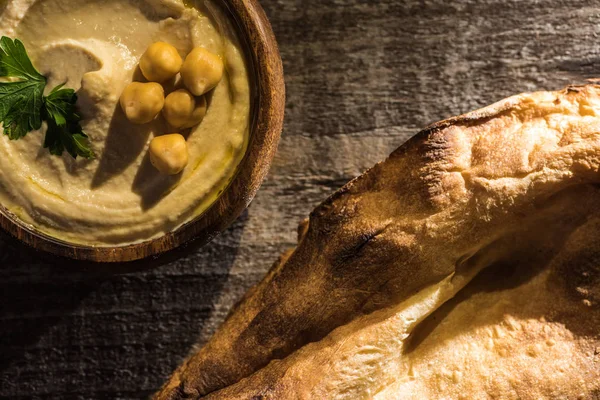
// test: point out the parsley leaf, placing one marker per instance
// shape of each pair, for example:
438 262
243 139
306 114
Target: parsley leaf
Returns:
23 105
64 131
14 61
20 101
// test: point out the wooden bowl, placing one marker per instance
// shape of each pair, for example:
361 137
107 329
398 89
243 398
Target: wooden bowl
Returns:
268 104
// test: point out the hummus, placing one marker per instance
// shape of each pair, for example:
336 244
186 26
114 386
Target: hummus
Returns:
94 46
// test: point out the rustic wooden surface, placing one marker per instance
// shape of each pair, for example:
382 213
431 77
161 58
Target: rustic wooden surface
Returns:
362 76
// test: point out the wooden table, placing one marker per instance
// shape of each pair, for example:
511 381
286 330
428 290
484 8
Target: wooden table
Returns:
362 77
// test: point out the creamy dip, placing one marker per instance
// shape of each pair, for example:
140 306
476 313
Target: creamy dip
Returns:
94 46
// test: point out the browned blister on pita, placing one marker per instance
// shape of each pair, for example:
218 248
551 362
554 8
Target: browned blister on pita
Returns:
466 265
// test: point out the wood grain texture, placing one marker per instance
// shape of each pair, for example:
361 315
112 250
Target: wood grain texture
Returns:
361 77
267 108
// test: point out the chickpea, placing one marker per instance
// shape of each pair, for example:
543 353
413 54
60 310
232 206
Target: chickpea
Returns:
141 102
169 153
201 71
160 62
182 110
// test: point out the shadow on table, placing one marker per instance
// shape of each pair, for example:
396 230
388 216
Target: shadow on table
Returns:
49 312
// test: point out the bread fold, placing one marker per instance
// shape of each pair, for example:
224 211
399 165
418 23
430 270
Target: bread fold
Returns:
386 295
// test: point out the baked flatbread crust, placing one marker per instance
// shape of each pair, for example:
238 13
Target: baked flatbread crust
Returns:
466 265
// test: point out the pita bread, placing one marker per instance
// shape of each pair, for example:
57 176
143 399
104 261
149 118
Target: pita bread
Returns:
466 265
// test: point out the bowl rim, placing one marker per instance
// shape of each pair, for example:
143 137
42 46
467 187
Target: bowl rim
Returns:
268 99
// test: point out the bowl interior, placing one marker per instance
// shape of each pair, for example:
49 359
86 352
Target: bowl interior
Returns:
266 119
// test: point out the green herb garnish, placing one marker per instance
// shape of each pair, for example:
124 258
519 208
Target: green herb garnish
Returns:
23 106
64 130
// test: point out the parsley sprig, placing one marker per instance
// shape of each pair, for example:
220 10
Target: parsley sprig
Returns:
23 105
